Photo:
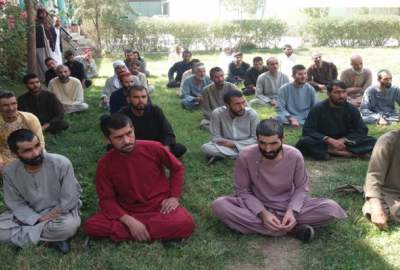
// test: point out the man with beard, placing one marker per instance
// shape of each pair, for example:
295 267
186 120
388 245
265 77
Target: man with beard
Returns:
43 104
149 121
335 127
287 60
42 195
271 191
213 95
233 127
113 83
76 68
321 73
137 201
118 99
357 79
10 120
50 74
193 86
252 74
268 84
68 90
295 99
179 68
378 103
237 69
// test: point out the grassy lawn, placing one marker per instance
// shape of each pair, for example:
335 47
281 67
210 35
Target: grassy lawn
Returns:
350 244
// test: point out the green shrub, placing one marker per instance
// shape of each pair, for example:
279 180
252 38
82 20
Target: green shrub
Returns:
358 31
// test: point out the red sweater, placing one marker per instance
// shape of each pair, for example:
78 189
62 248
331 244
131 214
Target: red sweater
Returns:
136 182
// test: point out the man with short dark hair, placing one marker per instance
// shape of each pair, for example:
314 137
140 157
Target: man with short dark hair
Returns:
43 104
335 127
134 55
192 88
186 75
149 120
378 103
50 74
68 90
134 69
252 74
233 127
76 68
287 60
295 99
136 198
12 119
237 69
321 73
118 99
42 195
213 95
271 191
179 68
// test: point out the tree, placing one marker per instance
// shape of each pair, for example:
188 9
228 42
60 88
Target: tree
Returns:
244 7
97 13
31 36
316 13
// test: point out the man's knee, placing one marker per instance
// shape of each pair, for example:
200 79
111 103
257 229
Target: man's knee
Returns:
220 207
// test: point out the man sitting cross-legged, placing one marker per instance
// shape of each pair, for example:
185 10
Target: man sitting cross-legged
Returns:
68 90
192 87
43 104
335 127
382 184
179 68
379 101
321 73
269 83
149 120
137 201
237 69
42 194
252 74
233 127
118 99
271 191
213 95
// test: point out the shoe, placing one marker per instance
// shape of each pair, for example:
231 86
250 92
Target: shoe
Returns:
60 246
213 159
304 233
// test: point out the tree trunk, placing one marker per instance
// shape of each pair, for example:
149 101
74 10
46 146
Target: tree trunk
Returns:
31 37
98 33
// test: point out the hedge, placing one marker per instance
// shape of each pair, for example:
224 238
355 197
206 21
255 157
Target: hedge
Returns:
355 31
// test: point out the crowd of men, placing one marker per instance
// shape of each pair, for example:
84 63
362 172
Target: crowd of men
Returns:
139 179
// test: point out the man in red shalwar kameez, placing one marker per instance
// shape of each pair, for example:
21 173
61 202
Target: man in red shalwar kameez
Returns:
137 201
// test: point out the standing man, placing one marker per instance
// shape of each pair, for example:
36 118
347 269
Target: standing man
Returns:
57 40
357 79
42 195
271 191
179 68
136 198
43 104
193 86
269 83
213 95
237 69
296 99
233 127
44 41
252 74
321 73
287 60
12 119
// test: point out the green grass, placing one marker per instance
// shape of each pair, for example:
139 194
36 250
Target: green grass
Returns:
349 244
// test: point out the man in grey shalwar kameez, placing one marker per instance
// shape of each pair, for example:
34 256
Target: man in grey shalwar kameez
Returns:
42 195
233 127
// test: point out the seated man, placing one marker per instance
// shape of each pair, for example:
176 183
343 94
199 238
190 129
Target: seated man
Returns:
233 127
382 185
193 86
237 69
89 64
10 120
186 75
295 99
268 84
42 194
357 79
43 104
134 69
149 121
50 74
137 201
287 60
179 68
250 78
335 127
213 95
271 191
378 103
113 83
118 99
68 90
132 56
76 68
321 73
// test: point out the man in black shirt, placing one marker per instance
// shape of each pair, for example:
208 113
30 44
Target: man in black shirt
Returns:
50 74
77 69
251 76
149 121
237 69
179 68
43 104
